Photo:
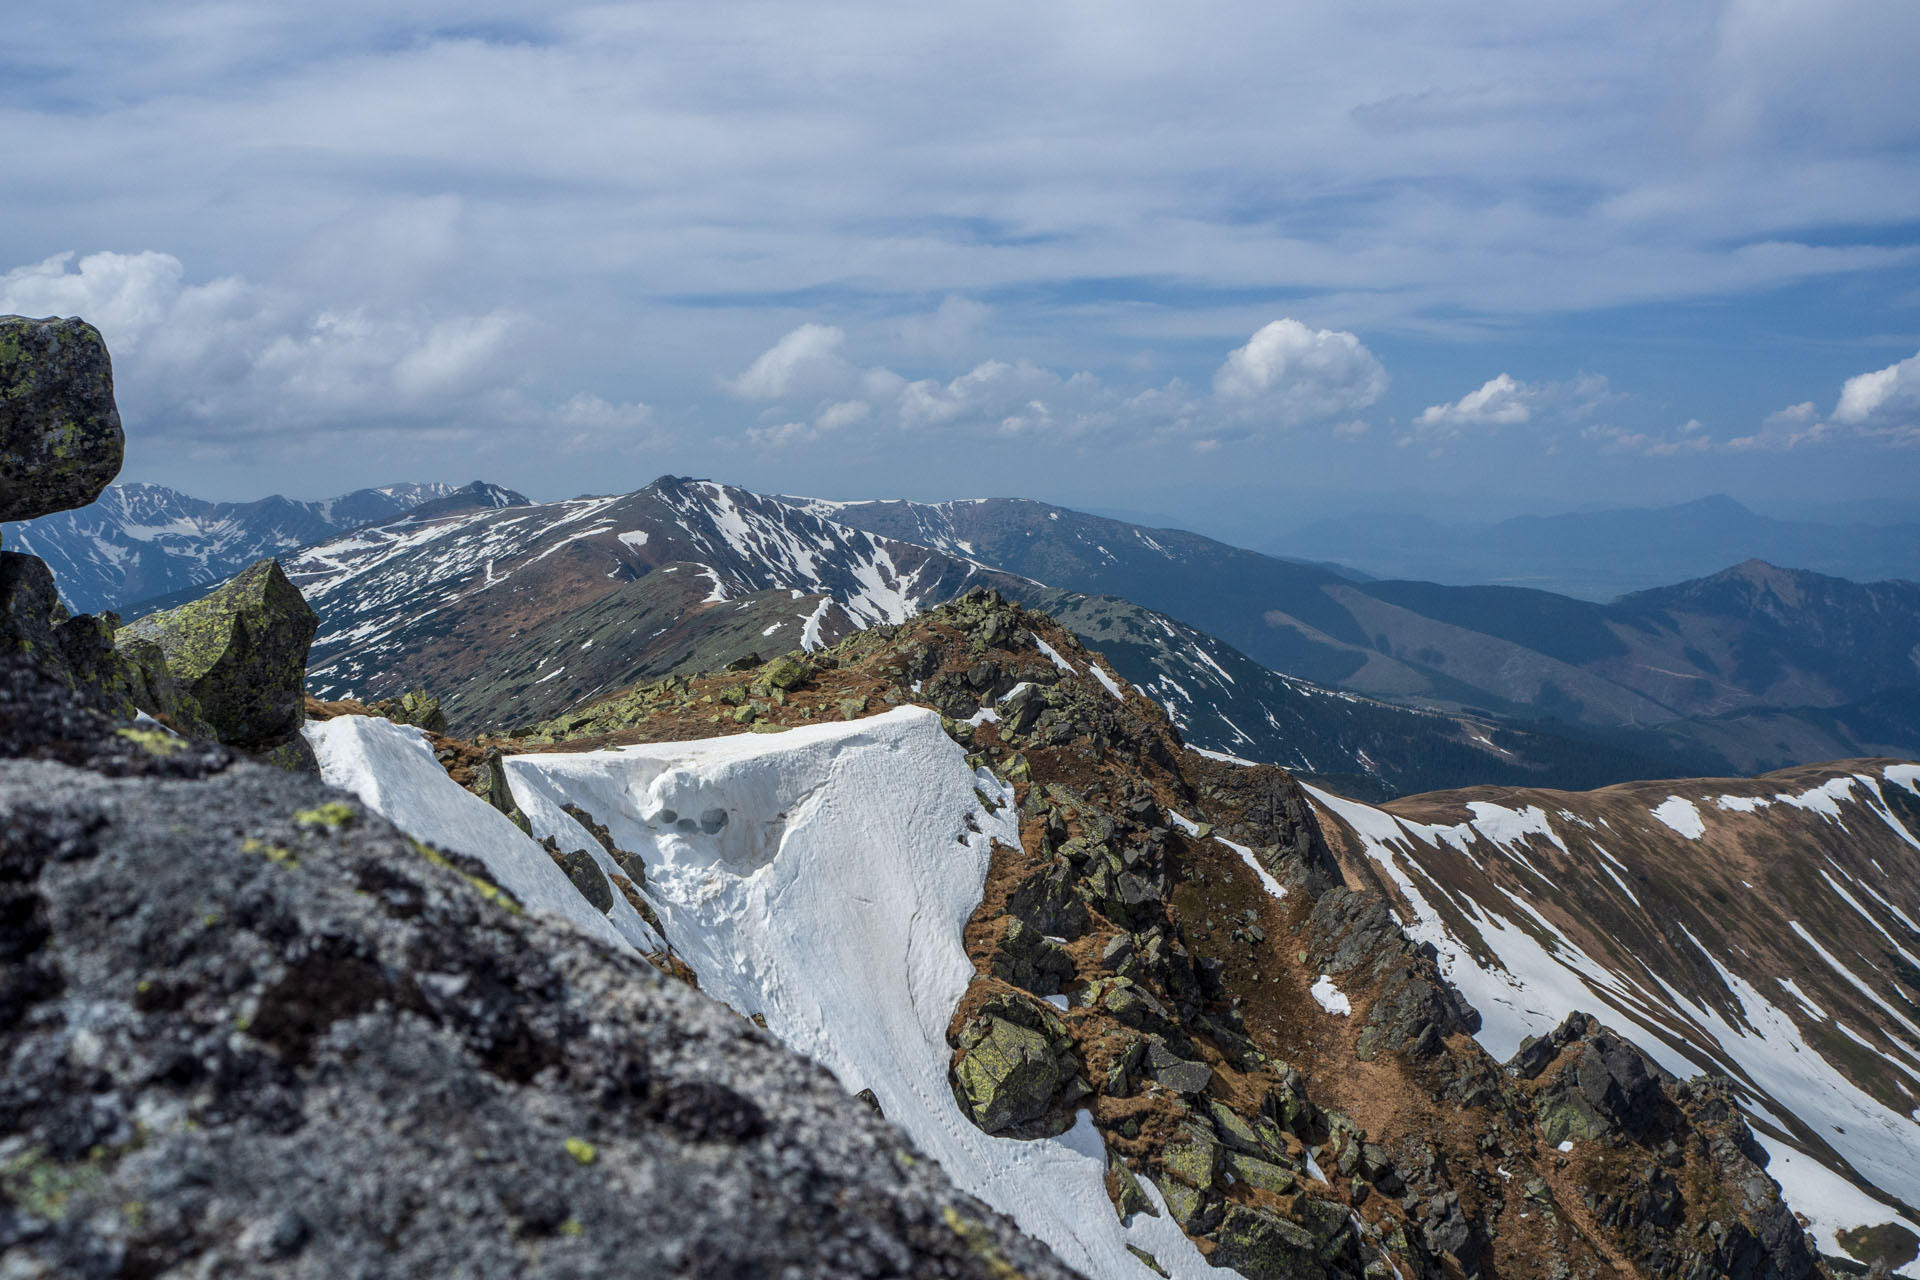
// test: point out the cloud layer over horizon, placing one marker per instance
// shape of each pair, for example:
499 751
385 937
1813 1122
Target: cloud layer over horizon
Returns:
1612 251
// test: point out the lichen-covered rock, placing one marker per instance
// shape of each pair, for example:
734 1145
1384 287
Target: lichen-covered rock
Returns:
60 438
1262 1245
1017 1074
239 653
237 1044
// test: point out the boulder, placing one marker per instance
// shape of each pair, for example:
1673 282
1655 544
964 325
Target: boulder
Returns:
60 437
1018 1075
1262 1245
239 654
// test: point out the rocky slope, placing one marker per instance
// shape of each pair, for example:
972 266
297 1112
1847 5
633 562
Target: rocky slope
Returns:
1763 928
1170 978
1750 669
141 542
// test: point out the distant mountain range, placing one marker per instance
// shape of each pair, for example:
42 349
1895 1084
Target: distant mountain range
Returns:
1750 669
517 616
143 541
1377 687
1604 554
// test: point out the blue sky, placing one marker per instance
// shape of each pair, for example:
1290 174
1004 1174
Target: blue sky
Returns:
1481 257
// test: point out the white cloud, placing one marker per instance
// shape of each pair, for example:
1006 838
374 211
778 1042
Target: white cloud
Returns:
1297 374
805 361
1500 402
588 422
950 329
230 356
1883 393
1286 375
1504 401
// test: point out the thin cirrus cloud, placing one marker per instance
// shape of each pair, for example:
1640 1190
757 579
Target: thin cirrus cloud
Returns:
1286 376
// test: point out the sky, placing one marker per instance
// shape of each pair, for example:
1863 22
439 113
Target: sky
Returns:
1231 262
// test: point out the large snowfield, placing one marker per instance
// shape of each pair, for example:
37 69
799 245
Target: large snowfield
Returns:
822 878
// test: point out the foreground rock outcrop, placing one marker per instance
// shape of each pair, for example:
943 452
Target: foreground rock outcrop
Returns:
60 437
251 1029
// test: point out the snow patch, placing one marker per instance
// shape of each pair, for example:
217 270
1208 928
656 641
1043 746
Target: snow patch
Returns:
822 877
391 770
1331 998
1682 815
1054 654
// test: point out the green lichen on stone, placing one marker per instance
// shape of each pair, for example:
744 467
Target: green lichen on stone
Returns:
491 892
979 1242
153 741
331 814
277 854
42 1186
581 1150
1147 1260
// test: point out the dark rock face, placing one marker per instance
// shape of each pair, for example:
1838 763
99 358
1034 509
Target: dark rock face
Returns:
252 1030
235 661
1596 1088
76 651
60 438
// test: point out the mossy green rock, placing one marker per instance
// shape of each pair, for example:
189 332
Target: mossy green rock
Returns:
1009 1076
1262 1173
1265 1246
60 437
1193 1157
240 654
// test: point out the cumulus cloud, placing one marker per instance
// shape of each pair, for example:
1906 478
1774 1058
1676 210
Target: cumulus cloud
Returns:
1880 407
229 355
1286 375
1298 374
1505 401
1881 394
807 360
1500 402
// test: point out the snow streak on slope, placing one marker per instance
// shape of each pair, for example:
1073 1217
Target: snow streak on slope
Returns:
822 877
1829 1073
793 548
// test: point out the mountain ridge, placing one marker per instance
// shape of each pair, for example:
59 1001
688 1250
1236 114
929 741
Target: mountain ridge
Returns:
142 541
